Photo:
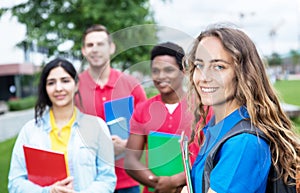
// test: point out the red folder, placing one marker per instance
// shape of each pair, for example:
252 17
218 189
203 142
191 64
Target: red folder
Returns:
44 167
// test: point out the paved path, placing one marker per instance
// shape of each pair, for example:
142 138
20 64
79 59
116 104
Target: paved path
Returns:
291 110
12 122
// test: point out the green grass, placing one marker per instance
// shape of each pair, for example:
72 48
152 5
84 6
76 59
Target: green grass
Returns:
289 92
5 155
297 124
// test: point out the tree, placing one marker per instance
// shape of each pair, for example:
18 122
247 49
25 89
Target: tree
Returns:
295 57
274 59
52 23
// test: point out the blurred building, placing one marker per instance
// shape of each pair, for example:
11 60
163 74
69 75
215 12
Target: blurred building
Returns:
16 80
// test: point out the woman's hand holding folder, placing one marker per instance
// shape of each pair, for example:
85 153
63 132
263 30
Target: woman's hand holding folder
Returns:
63 186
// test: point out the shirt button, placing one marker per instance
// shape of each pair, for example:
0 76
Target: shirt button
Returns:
170 118
103 98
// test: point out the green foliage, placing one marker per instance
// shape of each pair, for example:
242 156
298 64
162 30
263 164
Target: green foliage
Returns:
54 22
288 89
274 59
151 91
128 44
5 152
295 57
21 104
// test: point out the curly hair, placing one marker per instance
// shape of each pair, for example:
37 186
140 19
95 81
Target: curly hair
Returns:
255 91
168 48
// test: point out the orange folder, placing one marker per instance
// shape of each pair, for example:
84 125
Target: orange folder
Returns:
44 167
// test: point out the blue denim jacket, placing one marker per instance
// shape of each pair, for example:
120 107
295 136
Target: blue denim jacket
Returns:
91 173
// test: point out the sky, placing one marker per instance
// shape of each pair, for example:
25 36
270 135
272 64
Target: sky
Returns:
256 17
182 21
11 32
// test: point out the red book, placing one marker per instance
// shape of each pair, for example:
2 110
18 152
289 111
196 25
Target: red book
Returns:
44 167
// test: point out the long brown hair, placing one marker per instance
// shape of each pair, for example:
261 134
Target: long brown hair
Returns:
257 94
43 100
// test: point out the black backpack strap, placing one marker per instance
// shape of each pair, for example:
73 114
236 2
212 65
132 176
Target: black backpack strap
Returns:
244 126
274 184
277 185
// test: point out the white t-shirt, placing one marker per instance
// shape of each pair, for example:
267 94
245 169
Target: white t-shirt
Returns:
171 107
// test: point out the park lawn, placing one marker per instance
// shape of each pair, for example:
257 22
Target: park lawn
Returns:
289 92
297 124
5 152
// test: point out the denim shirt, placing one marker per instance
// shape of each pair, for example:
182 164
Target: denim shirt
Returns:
91 173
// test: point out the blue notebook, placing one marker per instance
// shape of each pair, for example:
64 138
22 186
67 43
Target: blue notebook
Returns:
116 109
118 127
